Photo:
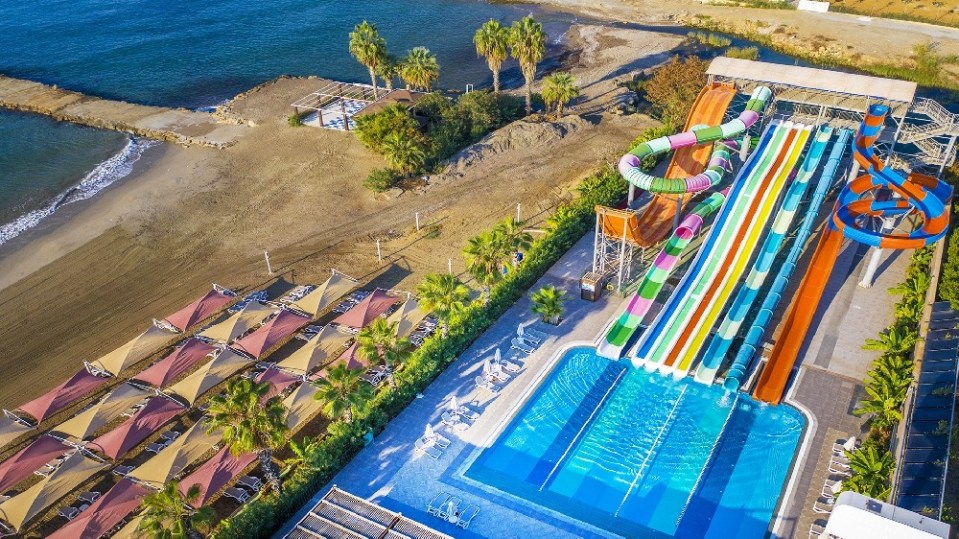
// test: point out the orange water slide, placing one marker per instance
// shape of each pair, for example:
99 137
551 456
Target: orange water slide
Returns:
772 381
657 220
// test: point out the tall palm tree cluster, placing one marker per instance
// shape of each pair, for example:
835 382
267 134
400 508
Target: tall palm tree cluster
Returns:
888 382
418 70
493 251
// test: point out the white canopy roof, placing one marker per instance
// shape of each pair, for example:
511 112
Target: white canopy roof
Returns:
858 517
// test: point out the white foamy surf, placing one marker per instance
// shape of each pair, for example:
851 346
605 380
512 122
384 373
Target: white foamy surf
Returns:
95 181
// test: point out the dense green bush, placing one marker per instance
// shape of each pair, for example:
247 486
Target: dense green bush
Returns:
372 129
380 179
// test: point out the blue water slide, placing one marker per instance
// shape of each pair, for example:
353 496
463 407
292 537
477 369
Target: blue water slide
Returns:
723 338
748 350
649 337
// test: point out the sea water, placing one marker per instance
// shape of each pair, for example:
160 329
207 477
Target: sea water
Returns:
194 54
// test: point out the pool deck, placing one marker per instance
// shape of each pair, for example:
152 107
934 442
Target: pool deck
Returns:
827 389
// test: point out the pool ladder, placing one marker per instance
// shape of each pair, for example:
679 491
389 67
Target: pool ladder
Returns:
709 459
659 436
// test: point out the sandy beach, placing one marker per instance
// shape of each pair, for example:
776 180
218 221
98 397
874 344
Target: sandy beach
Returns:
93 278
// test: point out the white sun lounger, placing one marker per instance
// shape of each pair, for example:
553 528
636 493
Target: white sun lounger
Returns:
468 515
68 513
522 346
831 489
436 503
250 482
89 497
453 421
237 494
487 384
429 449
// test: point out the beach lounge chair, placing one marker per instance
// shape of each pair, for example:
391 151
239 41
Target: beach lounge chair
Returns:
453 421
831 489
467 413
437 503
428 448
123 470
528 338
170 435
250 482
487 384
823 506
89 497
511 367
468 515
373 377
521 346
237 494
68 513
840 449
817 528
837 470
440 441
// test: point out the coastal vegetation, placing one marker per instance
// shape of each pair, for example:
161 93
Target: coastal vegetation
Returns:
369 49
442 294
558 90
379 344
743 53
419 69
343 392
671 90
527 44
492 43
167 513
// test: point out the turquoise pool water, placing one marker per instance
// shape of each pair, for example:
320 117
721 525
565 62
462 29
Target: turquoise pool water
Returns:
644 455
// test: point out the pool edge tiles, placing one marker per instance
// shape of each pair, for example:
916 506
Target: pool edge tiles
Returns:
608 425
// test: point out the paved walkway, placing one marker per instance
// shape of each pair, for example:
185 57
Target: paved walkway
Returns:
391 474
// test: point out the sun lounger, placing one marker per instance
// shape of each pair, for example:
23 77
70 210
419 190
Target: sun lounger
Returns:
453 421
509 366
68 513
487 384
468 515
521 346
89 497
529 339
823 506
237 494
842 448
436 503
250 482
467 413
428 448
831 489
170 435
836 470
123 470
816 528
373 377
156 447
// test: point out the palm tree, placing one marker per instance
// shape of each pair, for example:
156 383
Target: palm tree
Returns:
388 70
369 49
404 153
419 70
492 43
344 391
896 340
872 469
527 43
513 236
250 425
883 404
379 343
484 254
304 455
548 303
559 89
442 294
167 514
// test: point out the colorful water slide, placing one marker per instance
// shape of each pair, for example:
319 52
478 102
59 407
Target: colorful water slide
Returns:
612 344
658 218
924 195
720 342
737 228
715 294
755 334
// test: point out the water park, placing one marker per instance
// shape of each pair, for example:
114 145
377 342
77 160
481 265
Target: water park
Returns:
704 381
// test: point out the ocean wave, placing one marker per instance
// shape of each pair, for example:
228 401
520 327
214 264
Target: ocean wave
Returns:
97 180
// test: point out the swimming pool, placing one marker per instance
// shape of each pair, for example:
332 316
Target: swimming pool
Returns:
644 455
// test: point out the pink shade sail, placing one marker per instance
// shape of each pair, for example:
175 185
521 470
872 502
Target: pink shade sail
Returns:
134 430
30 459
367 310
274 330
179 361
105 513
199 310
215 474
78 386
278 381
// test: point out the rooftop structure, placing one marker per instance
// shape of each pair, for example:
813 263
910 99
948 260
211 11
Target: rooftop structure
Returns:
335 105
857 517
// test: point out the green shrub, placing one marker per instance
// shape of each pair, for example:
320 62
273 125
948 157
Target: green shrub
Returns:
372 129
380 180
745 53
294 120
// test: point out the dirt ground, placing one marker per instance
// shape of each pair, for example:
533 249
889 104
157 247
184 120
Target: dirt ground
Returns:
194 216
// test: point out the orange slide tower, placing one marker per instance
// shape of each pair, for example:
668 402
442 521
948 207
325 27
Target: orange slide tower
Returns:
656 221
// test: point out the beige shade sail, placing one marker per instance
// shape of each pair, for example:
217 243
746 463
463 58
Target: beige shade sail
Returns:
223 365
130 531
136 350
323 348
407 317
11 429
76 469
184 451
238 323
301 406
109 408
324 295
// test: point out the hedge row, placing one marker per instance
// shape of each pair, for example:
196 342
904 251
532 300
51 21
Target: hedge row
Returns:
265 515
